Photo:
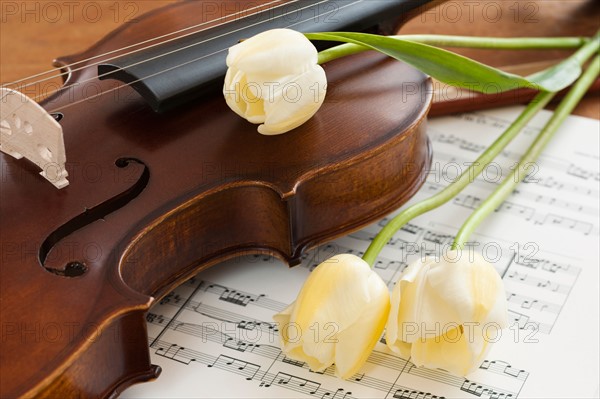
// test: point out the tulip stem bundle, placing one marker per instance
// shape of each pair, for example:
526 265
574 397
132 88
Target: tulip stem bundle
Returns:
508 185
449 192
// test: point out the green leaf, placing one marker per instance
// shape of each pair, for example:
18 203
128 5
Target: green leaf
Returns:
457 70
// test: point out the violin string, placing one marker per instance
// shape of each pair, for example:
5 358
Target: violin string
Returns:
187 47
180 65
36 98
234 16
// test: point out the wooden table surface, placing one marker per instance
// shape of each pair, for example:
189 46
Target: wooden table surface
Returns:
33 33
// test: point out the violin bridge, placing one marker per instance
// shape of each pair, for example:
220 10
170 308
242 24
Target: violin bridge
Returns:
27 130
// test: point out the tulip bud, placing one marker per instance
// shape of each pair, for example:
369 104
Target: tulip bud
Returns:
442 312
338 316
274 80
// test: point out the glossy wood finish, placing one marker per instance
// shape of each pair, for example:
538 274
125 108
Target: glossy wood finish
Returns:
156 198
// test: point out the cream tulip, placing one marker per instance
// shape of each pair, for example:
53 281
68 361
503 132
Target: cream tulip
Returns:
274 80
446 314
338 317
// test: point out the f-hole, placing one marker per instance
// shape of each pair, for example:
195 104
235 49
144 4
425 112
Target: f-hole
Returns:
76 268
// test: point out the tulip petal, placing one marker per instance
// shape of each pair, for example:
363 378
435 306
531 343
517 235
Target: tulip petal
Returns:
292 342
296 101
471 288
284 51
255 111
231 90
333 293
356 342
408 300
448 353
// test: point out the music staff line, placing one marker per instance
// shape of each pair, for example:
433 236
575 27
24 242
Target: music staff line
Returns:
546 265
530 214
527 323
229 295
209 333
498 172
177 353
242 298
230 317
534 281
467 145
526 302
252 371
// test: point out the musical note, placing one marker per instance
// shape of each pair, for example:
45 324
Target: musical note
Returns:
166 299
503 368
400 244
524 211
233 296
150 317
567 223
412 229
513 372
296 383
438 238
412 394
236 298
461 143
387 264
238 345
518 318
546 265
531 303
472 387
247 325
467 201
546 284
237 366
581 173
175 352
293 362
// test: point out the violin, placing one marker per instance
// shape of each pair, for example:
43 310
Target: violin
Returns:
165 181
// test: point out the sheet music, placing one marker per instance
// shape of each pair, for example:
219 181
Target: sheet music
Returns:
214 336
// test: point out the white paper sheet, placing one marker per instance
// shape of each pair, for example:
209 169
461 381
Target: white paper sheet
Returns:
215 337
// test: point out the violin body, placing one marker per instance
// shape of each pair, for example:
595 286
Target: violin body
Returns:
155 198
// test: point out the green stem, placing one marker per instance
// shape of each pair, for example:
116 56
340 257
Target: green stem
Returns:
508 185
464 41
499 43
457 186
588 50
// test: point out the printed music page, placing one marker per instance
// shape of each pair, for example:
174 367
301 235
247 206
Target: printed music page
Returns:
215 337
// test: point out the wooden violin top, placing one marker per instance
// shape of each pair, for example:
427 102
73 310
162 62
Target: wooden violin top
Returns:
155 198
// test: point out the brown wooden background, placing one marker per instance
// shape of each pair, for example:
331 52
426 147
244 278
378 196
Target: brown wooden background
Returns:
33 33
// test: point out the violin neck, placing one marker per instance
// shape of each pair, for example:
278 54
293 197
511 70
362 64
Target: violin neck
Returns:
178 71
